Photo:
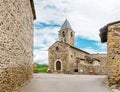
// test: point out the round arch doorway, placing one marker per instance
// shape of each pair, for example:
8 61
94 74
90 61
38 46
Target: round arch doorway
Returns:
58 65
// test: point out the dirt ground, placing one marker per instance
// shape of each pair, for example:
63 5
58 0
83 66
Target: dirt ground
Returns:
67 83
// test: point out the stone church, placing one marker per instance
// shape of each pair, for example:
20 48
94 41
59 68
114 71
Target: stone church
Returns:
64 57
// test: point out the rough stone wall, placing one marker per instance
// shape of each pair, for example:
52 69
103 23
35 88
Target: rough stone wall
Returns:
66 54
71 58
96 70
70 39
60 54
103 61
113 44
73 55
97 67
77 53
87 68
16 43
101 57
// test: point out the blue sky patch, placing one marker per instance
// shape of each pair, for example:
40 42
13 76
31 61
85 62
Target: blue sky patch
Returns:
85 43
40 25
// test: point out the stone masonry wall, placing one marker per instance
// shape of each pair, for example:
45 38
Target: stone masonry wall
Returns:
99 69
70 39
16 43
103 62
66 54
60 54
101 57
73 55
114 55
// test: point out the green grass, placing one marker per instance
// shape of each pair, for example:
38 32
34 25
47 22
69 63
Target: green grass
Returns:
41 69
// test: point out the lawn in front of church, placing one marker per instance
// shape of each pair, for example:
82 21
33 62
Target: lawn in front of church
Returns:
41 68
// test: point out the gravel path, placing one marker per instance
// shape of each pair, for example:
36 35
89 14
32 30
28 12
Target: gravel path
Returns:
66 83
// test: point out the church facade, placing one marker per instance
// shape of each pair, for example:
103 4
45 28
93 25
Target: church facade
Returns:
64 57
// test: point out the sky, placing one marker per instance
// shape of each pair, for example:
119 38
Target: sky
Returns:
86 17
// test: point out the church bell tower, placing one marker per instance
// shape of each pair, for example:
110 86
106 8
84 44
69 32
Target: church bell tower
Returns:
66 34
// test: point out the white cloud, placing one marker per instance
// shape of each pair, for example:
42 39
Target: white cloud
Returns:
43 39
86 18
40 56
102 46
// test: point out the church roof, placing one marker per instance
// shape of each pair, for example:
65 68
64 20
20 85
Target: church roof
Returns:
70 46
66 25
78 49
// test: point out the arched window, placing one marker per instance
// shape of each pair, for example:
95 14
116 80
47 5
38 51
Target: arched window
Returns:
57 49
71 34
63 33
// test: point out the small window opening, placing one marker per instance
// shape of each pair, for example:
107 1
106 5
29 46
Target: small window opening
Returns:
71 34
113 58
57 49
63 33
